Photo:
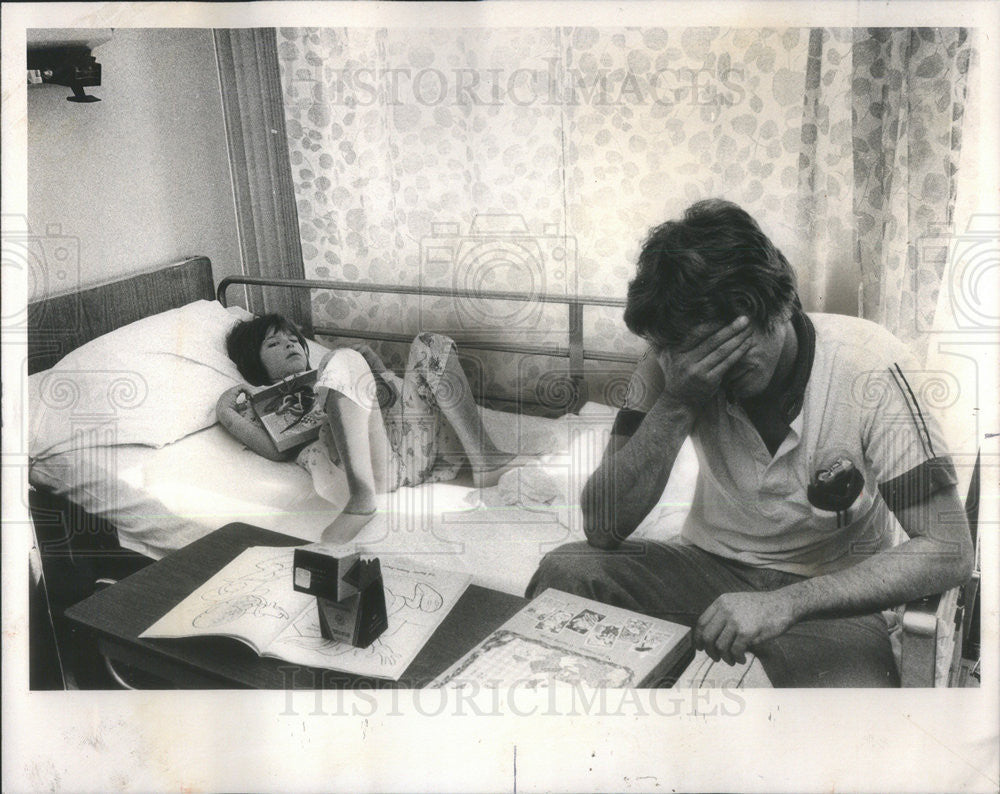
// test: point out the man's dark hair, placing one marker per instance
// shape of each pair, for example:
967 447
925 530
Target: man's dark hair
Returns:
711 266
245 338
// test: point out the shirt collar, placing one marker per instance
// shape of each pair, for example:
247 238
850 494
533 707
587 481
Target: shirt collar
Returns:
805 333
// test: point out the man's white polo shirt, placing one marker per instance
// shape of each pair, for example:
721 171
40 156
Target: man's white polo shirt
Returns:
856 396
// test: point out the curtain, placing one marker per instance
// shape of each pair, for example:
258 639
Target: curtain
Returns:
262 179
825 259
881 138
961 349
909 105
537 159
527 159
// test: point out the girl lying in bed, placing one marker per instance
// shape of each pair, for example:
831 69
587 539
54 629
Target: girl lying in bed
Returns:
384 431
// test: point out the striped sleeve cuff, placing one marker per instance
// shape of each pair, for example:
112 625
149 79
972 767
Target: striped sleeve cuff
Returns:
627 422
917 485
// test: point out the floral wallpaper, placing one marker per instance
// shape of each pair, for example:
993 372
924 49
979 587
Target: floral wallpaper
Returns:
537 159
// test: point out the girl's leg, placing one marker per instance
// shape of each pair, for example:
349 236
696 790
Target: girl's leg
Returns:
356 430
433 356
349 425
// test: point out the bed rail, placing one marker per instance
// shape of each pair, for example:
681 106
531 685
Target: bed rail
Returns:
575 351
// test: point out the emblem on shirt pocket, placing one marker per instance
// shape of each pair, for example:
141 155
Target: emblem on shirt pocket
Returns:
835 487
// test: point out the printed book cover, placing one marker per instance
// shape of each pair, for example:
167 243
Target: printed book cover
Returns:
289 410
565 639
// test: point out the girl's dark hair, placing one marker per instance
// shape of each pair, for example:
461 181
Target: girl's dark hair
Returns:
711 266
245 338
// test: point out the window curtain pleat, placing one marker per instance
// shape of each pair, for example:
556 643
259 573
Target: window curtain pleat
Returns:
828 271
878 163
909 99
262 177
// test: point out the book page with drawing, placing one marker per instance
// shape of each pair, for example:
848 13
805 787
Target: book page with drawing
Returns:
252 600
566 639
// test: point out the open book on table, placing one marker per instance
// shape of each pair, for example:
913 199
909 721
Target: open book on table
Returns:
566 639
252 600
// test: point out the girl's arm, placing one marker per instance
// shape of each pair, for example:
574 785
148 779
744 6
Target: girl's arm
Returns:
237 415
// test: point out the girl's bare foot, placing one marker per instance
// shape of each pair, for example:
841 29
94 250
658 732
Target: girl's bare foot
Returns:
486 475
359 510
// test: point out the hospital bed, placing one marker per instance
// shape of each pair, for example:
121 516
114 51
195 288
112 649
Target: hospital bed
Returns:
128 464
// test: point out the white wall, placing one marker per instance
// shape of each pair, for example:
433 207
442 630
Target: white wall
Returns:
141 178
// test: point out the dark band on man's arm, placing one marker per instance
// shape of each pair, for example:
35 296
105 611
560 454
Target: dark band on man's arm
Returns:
627 422
917 485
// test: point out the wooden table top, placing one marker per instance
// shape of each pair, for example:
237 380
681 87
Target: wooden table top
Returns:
119 613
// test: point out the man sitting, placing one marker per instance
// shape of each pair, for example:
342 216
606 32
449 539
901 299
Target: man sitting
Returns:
808 429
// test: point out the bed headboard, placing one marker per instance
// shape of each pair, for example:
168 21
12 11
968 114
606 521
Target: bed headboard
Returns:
62 323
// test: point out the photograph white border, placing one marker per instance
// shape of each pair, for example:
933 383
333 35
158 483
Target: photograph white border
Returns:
755 740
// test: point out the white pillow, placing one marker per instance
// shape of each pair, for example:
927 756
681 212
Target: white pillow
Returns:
150 382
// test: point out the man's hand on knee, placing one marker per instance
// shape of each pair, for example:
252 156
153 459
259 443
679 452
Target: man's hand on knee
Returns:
735 622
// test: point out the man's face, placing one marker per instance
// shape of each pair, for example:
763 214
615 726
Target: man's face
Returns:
752 373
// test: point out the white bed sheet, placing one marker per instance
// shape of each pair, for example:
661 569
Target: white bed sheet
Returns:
163 499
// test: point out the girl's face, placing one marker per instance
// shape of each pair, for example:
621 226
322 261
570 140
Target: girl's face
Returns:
281 355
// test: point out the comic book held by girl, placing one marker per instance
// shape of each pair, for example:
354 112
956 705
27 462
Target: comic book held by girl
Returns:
289 410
